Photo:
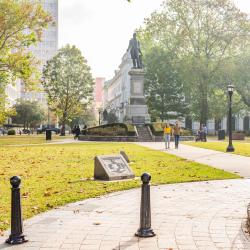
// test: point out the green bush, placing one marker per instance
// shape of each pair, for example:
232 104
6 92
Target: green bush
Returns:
11 132
247 133
113 129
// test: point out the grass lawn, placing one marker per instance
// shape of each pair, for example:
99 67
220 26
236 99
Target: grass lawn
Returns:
241 148
53 175
28 139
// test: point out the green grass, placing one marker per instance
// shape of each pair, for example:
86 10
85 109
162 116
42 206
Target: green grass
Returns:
28 139
241 148
53 175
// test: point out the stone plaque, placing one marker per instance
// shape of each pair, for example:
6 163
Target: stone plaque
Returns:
137 88
112 167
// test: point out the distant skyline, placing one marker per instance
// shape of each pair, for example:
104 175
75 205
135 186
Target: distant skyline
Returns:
102 29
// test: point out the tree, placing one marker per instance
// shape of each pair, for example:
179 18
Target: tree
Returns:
202 34
240 76
68 83
164 89
21 25
28 113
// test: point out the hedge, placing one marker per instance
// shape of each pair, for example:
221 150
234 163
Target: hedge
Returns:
112 129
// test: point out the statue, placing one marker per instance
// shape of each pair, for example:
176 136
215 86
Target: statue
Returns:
135 52
105 115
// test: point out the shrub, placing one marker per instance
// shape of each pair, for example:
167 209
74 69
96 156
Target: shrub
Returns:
113 129
11 132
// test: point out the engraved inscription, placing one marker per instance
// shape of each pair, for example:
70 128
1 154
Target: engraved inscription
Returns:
112 167
115 164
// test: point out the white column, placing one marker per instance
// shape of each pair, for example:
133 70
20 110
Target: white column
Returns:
240 123
224 123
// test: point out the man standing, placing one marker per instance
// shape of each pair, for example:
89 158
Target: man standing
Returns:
135 52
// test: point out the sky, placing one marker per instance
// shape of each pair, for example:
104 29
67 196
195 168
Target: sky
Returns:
101 29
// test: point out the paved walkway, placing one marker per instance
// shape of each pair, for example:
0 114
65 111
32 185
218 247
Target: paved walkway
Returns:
202 215
228 162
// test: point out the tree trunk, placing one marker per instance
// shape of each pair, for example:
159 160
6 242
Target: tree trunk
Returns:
204 104
63 129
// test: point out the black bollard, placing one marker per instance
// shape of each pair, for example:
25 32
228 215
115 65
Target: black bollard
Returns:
145 229
16 236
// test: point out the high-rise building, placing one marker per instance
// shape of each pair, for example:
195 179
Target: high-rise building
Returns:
44 50
98 96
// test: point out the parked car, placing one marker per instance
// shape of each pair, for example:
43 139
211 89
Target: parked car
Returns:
44 128
26 131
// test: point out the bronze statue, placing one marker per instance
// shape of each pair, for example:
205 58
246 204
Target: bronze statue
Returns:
135 52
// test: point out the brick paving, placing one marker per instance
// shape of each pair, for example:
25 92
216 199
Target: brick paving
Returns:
229 162
201 215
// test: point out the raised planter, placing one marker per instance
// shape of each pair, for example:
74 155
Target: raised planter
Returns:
238 136
108 138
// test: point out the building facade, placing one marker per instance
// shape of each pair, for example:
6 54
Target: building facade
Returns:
44 50
98 97
12 92
116 91
124 93
240 122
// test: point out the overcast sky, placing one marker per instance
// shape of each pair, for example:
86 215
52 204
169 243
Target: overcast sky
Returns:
102 28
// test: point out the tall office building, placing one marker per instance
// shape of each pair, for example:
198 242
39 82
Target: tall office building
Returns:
44 50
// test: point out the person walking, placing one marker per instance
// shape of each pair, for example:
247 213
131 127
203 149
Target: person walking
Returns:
77 132
167 135
177 133
204 129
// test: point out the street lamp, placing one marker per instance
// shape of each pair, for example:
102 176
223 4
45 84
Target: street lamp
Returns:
230 89
99 111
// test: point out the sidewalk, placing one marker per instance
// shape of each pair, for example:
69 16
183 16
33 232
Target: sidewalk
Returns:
201 215
229 162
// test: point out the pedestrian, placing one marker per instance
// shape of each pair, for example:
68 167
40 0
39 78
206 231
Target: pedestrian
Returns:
177 133
84 131
77 132
74 131
204 130
167 135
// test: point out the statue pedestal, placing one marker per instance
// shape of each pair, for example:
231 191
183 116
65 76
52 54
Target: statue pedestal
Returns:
137 110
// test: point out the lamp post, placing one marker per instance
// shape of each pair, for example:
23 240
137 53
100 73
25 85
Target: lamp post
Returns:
230 89
99 117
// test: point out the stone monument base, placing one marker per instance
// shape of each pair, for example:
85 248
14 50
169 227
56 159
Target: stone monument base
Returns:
137 110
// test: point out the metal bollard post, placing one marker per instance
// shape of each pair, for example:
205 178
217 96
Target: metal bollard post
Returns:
145 229
16 236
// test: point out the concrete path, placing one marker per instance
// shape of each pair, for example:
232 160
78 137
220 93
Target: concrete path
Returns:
202 215
228 162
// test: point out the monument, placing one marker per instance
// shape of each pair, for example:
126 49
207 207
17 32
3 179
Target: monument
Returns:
137 109
112 167
124 93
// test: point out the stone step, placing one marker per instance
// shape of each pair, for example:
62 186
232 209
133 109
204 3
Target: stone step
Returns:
143 134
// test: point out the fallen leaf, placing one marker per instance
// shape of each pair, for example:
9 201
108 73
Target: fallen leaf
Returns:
99 211
46 194
49 205
25 195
